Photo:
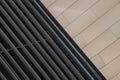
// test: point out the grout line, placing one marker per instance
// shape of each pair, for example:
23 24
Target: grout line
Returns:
114 58
62 13
100 35
51 4
67 8
115 76
101 60
63 10
82 13
96 20
114 33
109 63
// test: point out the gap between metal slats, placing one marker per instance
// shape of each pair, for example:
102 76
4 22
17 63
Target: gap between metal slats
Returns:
14 62
8 68
23 48
2 76
42 41
53 44
19 55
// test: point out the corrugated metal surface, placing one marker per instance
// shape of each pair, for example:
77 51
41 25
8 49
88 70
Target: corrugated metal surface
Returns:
33 46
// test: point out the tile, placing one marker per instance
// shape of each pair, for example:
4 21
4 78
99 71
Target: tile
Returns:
99 44
77 9
116 29
59 6
62 20
47 2
81 23
111 69
103 6
98 61
115 78
80 41
102 24
118 76
111 52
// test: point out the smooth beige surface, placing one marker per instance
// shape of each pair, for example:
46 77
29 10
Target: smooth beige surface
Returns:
81 23
95 26
99 44
97 60
112 69
115 78
118 76
111 52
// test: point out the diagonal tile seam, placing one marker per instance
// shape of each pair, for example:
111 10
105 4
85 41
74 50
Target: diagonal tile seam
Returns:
110 62
115 76
112 59
101 59
82 13
101 34
51 4
114 33
65 9
95 20
103 62
118 75
85 42
65 18
105 47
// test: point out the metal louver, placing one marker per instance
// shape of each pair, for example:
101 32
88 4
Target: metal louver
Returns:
34 46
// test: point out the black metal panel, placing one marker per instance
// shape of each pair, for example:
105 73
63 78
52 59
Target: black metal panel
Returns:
34 46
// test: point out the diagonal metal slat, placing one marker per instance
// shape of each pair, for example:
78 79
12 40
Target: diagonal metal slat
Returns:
44 44
57 49
20 56
24 49
14 62
2 76
32 39
12 74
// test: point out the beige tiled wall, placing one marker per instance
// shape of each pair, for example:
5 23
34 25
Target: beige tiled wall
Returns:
95 26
